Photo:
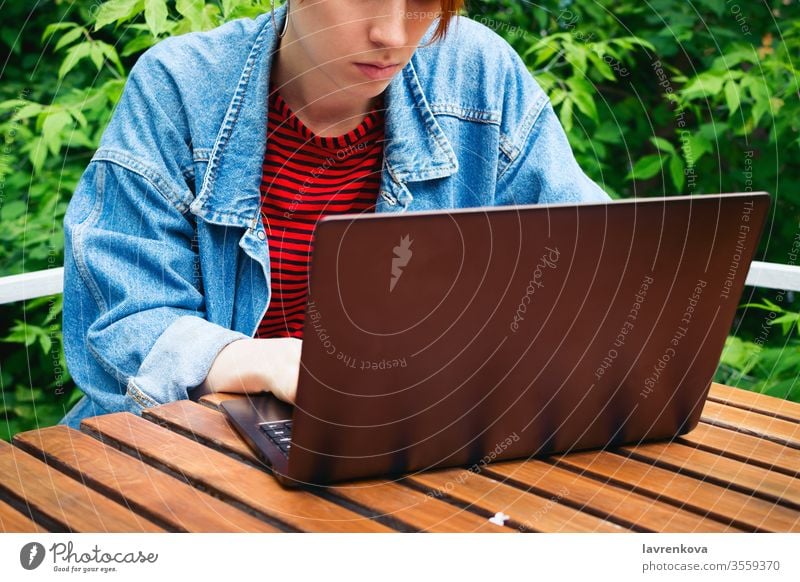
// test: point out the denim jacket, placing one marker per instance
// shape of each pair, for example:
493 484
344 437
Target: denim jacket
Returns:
166 257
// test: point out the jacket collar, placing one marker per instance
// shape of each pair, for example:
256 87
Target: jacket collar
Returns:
416 148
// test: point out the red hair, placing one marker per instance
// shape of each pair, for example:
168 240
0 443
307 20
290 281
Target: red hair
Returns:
449 9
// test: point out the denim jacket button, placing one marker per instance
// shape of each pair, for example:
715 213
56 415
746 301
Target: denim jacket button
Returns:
261 235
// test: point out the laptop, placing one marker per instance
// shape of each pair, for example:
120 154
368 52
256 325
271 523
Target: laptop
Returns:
448 338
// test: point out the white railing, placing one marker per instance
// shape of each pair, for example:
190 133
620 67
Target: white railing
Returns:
31 285
51 281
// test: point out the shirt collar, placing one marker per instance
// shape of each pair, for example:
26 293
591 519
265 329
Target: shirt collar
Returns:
416 147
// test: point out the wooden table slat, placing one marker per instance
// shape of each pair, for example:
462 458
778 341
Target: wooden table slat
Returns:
607 500
387 498
719 503
153 493
754 401
744 447
527 511
422 511
55 498
774 429
726 472
13 521
204 424
227 478
214 400
184 468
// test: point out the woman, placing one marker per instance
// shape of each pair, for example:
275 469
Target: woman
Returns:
187 239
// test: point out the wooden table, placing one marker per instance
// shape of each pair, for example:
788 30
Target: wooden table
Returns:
182 468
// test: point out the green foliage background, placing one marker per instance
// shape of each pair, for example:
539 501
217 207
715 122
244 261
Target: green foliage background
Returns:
659 97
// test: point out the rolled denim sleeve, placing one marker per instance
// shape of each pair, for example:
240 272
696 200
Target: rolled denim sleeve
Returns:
135 333
537 165
134 320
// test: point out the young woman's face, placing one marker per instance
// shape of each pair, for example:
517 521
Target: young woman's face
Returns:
350 40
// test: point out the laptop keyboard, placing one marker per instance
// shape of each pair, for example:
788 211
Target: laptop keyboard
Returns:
280 433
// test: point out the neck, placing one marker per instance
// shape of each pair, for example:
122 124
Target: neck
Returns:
323 106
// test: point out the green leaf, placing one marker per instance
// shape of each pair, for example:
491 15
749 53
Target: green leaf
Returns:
761 99
542 17
717 6
138 44
545 53
663 145
30 110
192 10
695 147
12 210
557 95
37 152
582 96
732 97
96 54
56 310
110 53
69 38
228 6
10 104
743 53
79 117
155 15
115 10
766 306
646 168
52 28
702 86
74 55
608 133
576 55
45 342
53 125
565 115
739 354
113 90
601 66
787 321
676 168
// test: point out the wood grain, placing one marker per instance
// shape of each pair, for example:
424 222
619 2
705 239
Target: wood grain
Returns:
214 400
729 473
527 511
424 512
224 477
769 405
743 447
60 502
724 505
13 521
383 498
148 491
609 501
754 423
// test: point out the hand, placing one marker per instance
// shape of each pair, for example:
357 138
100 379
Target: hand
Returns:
250 366
279 365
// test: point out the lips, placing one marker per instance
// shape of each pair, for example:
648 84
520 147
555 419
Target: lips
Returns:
378 71
379 65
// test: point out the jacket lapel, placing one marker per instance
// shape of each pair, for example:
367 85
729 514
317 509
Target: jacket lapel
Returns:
416 148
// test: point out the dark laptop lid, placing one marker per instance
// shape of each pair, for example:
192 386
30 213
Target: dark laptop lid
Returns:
446 338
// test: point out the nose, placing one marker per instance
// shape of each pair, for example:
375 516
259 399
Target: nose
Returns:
388 27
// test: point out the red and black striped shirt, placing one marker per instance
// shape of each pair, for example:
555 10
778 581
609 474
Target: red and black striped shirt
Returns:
305 177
